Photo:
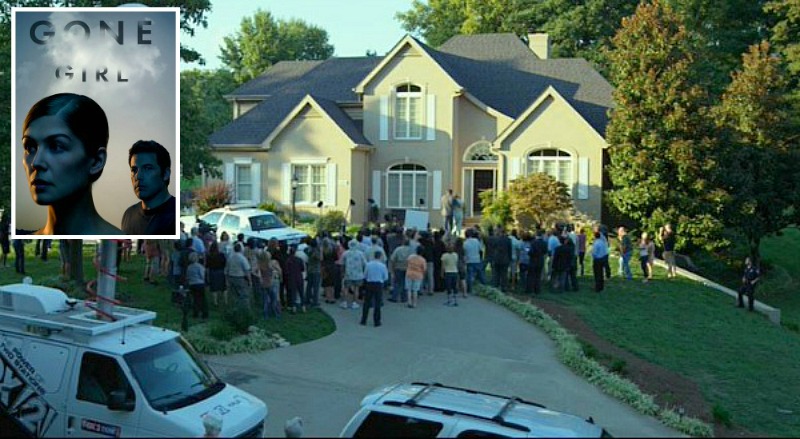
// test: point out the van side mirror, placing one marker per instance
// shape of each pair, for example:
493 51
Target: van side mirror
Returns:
118 402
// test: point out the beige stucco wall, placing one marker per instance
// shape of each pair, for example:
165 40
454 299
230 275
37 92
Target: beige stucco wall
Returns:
436 155
555 125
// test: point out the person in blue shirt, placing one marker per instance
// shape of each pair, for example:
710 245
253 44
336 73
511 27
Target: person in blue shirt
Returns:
376 276
599 260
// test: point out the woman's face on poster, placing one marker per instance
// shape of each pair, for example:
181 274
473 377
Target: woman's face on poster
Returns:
55 161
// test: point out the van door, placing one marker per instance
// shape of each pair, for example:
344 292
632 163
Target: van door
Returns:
103 402
31 391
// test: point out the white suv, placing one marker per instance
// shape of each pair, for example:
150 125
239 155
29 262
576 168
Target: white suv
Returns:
435 410
252 222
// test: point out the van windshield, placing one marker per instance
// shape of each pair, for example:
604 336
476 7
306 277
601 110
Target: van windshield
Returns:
172 376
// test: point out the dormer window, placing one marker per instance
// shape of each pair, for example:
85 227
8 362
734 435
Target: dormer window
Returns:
408 112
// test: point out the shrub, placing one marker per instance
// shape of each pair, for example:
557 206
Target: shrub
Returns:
221 330
619 366
721 415
496 209
538 199
240 319
277 209
212 196
332 221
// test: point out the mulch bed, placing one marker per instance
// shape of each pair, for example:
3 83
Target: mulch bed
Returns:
669 388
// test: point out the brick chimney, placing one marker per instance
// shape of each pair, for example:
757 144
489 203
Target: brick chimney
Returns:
539 43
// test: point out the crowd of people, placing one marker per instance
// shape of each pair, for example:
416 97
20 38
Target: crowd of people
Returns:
355 271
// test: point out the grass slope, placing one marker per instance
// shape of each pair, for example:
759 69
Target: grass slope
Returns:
744 364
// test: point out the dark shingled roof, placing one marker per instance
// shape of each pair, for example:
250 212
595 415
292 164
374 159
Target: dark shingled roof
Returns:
498 69
518 76
343 120
332 79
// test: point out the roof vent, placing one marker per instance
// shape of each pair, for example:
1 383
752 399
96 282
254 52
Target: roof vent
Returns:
539 43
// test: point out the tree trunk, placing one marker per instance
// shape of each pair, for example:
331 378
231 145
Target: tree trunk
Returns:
76 261
755 254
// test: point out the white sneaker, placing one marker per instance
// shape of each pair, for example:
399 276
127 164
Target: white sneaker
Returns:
354 306
343 305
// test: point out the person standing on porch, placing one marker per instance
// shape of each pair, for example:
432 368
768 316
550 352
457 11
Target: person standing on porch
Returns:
447 211
458 215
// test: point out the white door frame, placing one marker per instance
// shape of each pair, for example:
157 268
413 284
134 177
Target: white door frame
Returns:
469 191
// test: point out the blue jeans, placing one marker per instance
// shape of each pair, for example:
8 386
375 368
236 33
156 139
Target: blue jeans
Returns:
626 265
475 269
399 286
271 300
450 283
312 289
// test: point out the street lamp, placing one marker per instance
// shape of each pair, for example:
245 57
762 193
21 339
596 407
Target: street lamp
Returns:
295 182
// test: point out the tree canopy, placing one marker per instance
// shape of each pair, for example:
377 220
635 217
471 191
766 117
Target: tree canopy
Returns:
662 158
263 41
203 111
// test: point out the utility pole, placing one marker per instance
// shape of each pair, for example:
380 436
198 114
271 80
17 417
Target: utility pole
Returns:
107 277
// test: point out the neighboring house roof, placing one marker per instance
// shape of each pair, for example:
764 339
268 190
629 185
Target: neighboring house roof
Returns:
497 69
332 79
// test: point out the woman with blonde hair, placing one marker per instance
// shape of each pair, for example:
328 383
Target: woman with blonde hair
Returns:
647 253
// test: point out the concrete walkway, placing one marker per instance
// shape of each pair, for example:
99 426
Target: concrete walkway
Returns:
476 345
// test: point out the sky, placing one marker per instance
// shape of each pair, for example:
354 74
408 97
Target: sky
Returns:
141 108
353 26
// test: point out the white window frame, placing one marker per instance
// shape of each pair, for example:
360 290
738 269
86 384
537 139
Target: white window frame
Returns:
237 166
407 173
533 161
405 98
477 147
309 183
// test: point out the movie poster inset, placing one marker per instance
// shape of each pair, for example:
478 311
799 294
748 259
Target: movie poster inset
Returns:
95 124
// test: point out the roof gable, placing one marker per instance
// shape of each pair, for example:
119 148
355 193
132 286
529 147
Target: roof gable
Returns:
406 42
329 111
550 92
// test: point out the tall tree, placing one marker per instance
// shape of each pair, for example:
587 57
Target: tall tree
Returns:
203 111
661 158
262 41
759 158
576 28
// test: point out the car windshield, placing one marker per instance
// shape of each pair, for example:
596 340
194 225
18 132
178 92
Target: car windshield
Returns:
265 222
171 375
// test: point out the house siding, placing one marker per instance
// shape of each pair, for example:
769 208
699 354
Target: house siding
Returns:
555 125
410 66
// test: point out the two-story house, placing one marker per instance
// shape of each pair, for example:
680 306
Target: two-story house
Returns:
402 129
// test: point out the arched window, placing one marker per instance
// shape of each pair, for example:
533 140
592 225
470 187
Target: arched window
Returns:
408 112
480 152
406 184
553 162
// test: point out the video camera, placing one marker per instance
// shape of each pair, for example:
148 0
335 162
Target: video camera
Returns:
204 227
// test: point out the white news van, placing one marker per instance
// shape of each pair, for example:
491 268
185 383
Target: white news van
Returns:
66 373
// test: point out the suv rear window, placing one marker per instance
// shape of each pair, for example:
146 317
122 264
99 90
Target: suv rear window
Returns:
379 424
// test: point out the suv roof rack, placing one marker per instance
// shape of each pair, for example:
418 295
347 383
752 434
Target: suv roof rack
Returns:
499 418
240 206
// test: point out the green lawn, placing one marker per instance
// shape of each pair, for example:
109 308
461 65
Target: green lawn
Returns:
742 362
781 287
135 293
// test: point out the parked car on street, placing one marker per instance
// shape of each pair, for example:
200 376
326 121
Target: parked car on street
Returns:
435 410
251 221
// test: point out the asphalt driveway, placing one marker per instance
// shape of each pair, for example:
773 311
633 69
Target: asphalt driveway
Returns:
477 345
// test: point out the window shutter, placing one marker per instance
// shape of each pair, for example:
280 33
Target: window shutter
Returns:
430 112
256 167
515 167
376 187
229 175
332 187
384 118
583 178
286 178
437 190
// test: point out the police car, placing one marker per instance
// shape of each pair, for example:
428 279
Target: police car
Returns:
250 221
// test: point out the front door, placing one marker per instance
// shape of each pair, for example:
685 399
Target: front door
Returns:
482 180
